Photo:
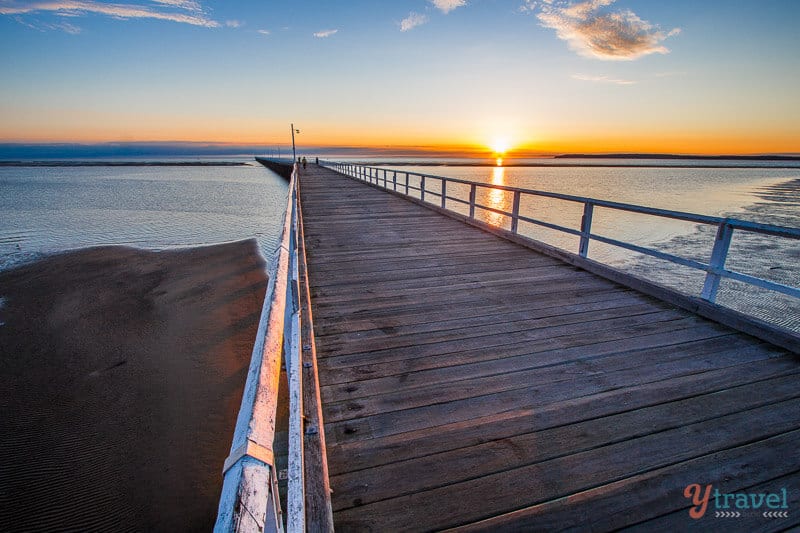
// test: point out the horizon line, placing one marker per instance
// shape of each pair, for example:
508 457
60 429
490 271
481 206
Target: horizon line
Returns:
397 150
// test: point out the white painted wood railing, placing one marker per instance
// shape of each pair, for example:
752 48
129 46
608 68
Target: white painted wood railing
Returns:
399 181
250 499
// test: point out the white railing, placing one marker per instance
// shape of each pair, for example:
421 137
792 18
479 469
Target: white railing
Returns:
250 499
399 181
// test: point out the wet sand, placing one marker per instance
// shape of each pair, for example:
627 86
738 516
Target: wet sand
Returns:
122 373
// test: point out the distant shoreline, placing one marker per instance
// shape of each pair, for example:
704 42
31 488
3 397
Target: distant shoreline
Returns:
509 164
122 163
679 156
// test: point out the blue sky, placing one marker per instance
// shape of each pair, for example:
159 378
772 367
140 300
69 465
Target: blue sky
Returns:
688 76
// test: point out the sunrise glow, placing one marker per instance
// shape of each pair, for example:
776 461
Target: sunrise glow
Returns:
377 77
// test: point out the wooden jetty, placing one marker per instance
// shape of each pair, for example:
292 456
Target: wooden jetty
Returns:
469 382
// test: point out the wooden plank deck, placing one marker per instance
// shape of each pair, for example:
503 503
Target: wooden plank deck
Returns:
469 382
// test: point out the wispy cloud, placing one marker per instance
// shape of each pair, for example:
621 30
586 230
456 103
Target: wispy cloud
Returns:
602 79
189 5
234 23
412 21
264 32
38 25
592 31
325 33
192 11
446 6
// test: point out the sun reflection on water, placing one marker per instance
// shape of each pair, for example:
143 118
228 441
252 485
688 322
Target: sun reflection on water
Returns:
496 198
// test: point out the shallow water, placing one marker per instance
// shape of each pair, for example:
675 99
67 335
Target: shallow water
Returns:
50 209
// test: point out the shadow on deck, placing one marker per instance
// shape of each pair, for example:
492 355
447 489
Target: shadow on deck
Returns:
471 382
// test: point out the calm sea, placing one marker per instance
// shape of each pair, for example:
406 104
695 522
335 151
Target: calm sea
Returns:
49 209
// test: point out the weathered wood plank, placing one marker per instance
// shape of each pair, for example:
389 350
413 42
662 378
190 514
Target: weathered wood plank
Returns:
345 425
540 382
548 328
423 473
423 311
563 364
506 491
500 291
751 520
363 450
623 503
663 335
482 317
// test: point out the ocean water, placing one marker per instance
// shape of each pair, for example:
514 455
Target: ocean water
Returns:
51 209
765 194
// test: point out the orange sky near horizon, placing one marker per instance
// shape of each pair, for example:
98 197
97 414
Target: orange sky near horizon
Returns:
569 76
466 139
455 83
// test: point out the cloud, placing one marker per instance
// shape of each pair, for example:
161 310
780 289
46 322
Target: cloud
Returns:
594 32
189 5
325 33
602 79
412 21
234 23
195 15
264 32
446 6
64 26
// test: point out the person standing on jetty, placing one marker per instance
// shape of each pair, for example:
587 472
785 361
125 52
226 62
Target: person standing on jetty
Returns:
304 163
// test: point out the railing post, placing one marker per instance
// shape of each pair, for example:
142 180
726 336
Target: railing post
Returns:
406 183
384 179
718 257
515 212
472 193
444 192
394 180
586 229
422 188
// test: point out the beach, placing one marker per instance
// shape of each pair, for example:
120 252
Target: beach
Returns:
123 371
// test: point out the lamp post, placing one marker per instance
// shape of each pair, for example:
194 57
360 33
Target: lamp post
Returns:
294 152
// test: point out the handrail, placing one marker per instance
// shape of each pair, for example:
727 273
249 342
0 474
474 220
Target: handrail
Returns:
250 499
399 182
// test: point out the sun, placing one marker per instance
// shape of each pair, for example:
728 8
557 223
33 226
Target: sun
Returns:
500 146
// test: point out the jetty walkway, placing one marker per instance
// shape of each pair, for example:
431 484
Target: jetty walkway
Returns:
470 382
417 369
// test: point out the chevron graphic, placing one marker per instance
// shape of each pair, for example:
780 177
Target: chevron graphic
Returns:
727 514
776 514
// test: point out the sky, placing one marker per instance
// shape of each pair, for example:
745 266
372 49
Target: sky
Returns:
532 76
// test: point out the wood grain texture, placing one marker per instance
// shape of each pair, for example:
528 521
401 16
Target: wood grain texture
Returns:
470 382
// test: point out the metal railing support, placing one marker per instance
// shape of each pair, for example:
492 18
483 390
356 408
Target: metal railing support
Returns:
473 189
515 212
586 229
717 264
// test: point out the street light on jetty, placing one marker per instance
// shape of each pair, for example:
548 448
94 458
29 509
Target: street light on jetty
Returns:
294 152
